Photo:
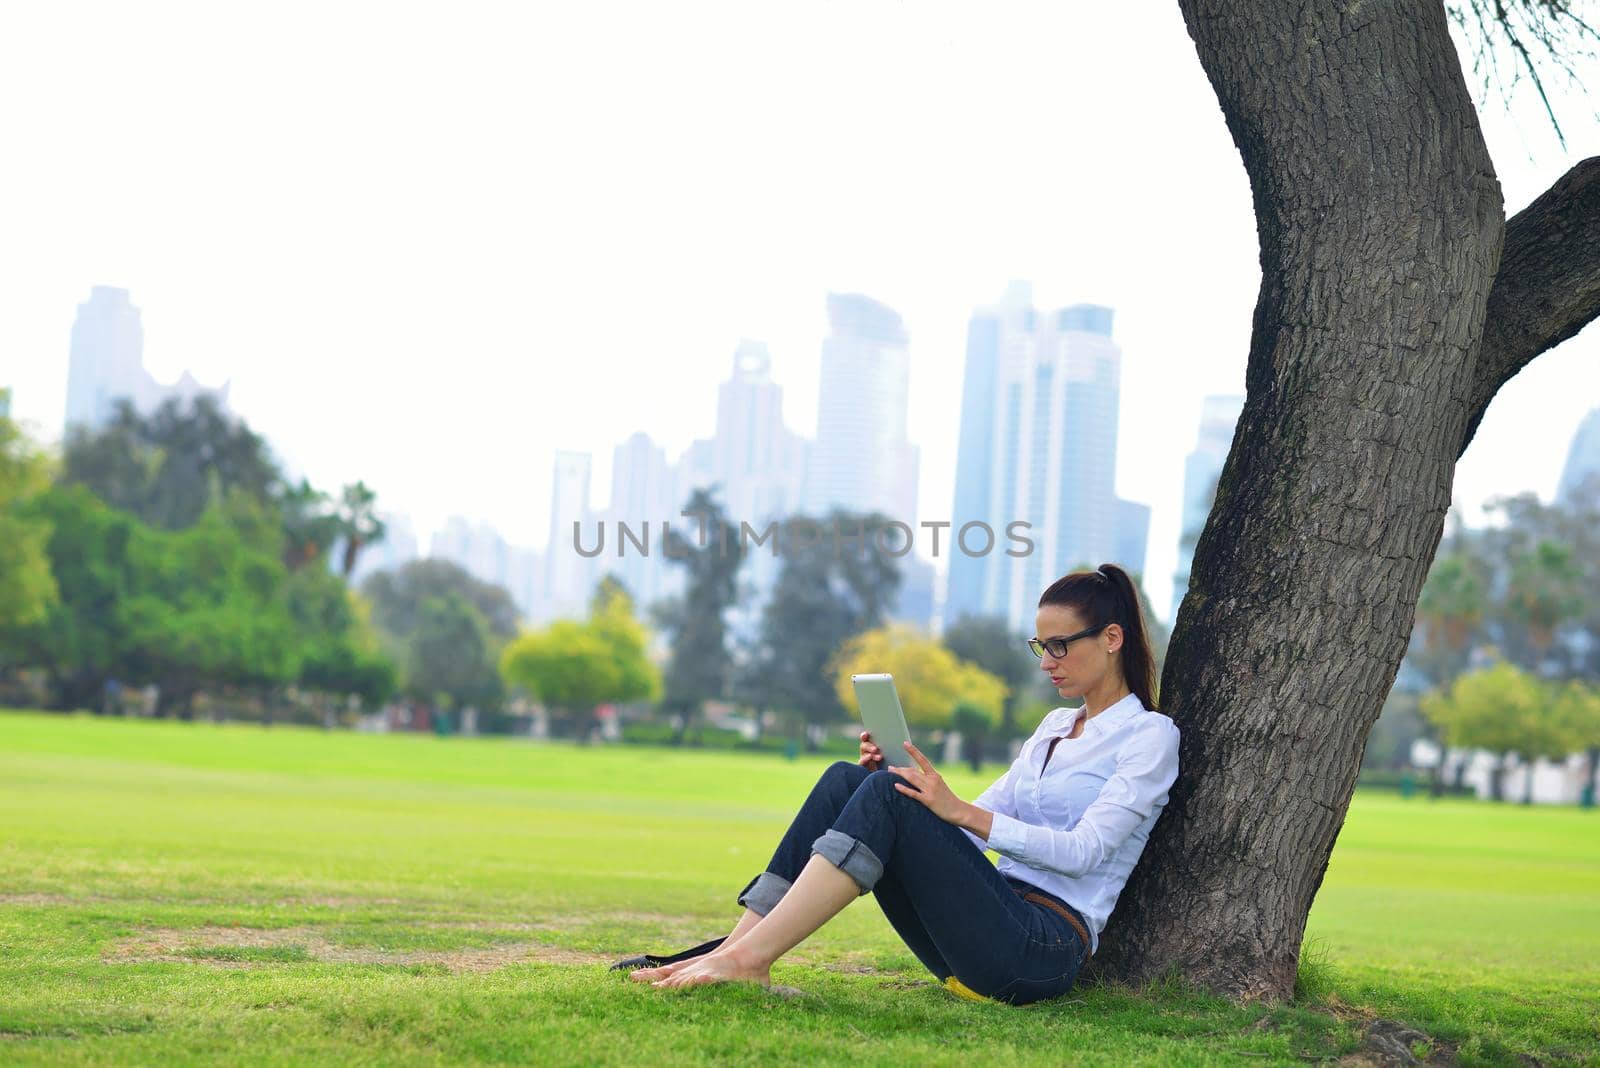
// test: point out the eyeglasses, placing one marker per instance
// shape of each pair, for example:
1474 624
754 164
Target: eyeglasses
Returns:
1057 647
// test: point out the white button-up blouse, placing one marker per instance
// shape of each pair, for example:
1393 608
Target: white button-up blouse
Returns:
1076 828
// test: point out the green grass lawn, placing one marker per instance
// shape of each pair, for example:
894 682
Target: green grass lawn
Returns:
176 893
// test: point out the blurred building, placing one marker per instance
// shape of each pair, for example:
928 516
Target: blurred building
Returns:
478 549
1547 782
1038 393
106 364
914 602
1133 535
862 460
1219 414
646 492
1583 458
569 576
757 460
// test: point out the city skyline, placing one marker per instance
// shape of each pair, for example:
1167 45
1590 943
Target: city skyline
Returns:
1583 456
105 364
436 308
750 411
1040 402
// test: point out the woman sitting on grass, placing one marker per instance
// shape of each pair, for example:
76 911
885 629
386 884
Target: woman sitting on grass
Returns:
1069 820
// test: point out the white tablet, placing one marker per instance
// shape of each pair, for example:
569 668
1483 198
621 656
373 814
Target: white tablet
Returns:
883 718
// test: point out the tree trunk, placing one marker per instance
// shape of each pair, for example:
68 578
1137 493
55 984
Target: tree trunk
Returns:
1386 322
1380 226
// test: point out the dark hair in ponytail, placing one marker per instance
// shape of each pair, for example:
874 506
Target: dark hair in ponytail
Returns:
1108 595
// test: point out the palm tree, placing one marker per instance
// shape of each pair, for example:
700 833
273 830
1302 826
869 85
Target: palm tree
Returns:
1544 593
308 528
1452 604
359 524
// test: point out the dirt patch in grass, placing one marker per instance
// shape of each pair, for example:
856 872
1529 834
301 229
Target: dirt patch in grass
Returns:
42 899
250 947
574 921
325 902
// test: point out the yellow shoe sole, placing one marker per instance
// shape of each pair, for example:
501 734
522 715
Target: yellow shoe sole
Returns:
961 990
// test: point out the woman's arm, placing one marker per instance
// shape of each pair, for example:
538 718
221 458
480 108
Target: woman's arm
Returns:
974 817
979 813
928 786
1146 768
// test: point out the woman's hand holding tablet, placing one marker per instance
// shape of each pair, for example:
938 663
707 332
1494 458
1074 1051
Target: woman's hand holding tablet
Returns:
885 722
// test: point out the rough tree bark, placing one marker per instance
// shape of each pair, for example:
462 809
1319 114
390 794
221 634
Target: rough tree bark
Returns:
1381 227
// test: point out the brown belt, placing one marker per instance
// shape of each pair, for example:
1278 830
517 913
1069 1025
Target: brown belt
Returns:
1040 899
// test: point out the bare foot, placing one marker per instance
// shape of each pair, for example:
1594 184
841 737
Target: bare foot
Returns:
650 975
716 968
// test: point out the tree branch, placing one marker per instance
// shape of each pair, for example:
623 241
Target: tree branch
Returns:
1547 287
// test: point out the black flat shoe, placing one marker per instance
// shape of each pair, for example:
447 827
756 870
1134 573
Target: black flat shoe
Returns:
651 960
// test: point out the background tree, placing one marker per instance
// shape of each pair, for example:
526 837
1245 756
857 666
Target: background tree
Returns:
1576 709
1395 301
450 662
211 607
358 524
974 727
340 653
199 608
1450 609
27 587
1502 709
700 666
168 468
80 642
1527 586
309 527
1543 594
931 680
987 642
818 602
612 617
577 666
396 597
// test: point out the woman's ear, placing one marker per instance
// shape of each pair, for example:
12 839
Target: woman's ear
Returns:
1114 636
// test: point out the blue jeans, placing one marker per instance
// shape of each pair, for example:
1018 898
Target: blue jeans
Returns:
939 891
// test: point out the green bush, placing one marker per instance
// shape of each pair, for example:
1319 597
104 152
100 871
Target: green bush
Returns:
703 737
1422 781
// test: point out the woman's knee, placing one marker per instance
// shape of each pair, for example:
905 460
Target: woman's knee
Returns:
883 785
845 770
840 780
882 780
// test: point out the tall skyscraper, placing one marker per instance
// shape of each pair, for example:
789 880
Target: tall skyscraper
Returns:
862 460
106 363
1583 457
645 492
476 548
994 336
569 576
756 458
483 553
1037 445
1133 535
1219 414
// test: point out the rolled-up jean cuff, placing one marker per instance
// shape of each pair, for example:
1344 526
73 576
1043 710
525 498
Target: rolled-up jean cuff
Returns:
764 891
851 857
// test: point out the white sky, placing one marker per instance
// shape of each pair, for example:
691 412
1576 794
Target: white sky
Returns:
431 244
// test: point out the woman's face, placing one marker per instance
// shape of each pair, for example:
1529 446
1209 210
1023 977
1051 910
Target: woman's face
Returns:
1087 660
